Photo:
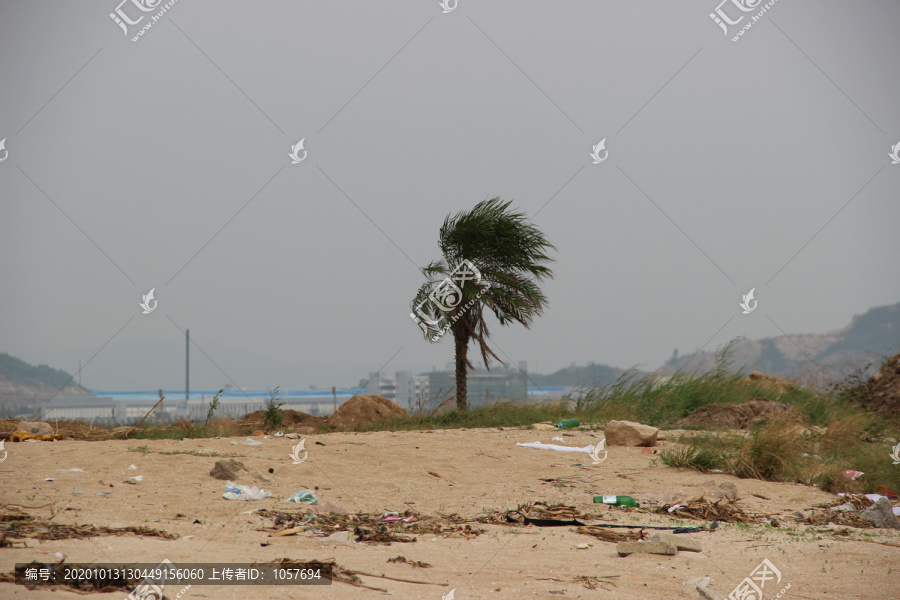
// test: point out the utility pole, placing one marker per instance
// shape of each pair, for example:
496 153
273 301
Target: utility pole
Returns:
79 372
187 363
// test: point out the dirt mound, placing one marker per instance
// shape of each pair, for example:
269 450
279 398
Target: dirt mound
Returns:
291 420
740 416
881 393
360 410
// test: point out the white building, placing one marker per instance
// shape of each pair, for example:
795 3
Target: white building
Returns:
404 388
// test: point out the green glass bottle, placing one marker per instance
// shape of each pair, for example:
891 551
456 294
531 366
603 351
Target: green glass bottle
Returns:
568 424
616 500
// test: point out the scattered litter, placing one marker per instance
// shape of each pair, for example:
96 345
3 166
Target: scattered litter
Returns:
105 494
873 498
304 497
234 491
278 434
415 563
320 444
557 447
18 525
61 555
582 546
611 535
853 475
136 478
293 436
49 479
338 536
557 438
75 470
248 442
187 537
74 491
133 467
444 477
700 508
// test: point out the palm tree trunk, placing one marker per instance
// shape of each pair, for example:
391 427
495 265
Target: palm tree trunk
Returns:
461 348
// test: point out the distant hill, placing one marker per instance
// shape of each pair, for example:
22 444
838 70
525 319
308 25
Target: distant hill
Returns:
24 386
868 336
577 376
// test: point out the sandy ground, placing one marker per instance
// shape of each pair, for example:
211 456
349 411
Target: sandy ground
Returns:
378 472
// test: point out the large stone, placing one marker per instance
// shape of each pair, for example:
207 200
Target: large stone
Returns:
626 548
707 594
629 433
227 469
35 427
881 514
681 542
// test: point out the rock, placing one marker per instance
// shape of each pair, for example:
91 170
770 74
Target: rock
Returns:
361 410
35 427
227 469
629 433
626 548
729 490
681 542
706 594
846 507
881 514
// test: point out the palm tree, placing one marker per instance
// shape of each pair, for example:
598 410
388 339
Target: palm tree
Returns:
508 256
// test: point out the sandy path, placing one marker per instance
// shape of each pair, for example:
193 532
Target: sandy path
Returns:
377 472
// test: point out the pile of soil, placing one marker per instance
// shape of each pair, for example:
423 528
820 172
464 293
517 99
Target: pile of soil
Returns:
881 392
740 416
360 411
291 421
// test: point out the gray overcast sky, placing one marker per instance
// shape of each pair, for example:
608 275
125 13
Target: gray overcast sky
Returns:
163 163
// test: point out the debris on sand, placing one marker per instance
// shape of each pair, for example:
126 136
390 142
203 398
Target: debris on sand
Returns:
626 548
90 583
881 514
414 563
362 410
367 528
611 535
723 510
20 525
741 416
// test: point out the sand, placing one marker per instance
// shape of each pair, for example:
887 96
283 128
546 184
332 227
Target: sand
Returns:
383 471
